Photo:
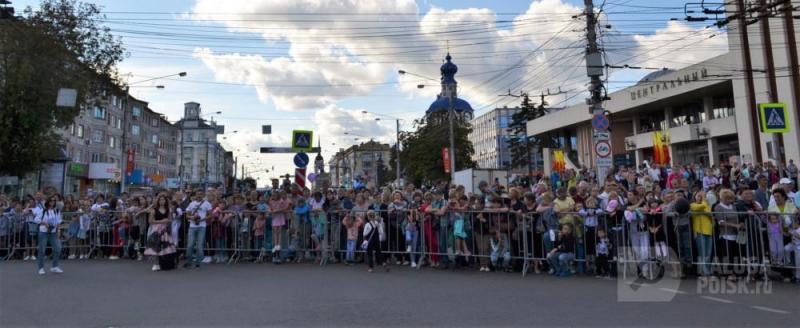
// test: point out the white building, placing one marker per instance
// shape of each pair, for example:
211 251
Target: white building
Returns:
202 158
694 106
707 108
490 136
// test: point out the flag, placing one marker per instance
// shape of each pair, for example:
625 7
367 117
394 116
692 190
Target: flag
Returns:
559 165
657 147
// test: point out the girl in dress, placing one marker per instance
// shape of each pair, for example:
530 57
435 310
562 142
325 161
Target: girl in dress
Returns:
159 241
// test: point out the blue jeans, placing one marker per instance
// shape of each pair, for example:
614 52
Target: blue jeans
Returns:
444 240
351 251
705 249
559 262
44 238
220 244
194 245
501 247
412 238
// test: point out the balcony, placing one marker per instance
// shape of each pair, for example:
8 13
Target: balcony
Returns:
692 132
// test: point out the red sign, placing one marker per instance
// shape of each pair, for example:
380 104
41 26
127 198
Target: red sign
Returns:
300 177
130 165
446 159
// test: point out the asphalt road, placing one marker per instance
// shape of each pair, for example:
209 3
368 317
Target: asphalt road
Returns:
125 294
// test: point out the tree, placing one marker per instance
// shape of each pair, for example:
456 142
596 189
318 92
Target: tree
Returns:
421 153
59 45
520 145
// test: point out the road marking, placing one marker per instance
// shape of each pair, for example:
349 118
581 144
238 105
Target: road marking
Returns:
715 299
768 309
673 291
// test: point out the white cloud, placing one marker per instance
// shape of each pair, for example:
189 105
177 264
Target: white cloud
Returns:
339 49
333 122
679 45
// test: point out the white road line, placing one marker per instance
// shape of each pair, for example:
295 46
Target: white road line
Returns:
768 309
673 291
715 299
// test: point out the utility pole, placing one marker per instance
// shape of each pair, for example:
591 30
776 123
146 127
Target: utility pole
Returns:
397 146
594 69
772 83
124 142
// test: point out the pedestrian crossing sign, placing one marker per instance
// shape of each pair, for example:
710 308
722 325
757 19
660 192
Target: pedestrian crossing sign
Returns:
774 117
302 140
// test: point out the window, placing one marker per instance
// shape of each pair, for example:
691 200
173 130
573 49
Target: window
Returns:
135 147
97 136
723 107
154 139
118 123
72 129
97 157
99 112
79 131
137 111
114 100
135 129
112 142
154 122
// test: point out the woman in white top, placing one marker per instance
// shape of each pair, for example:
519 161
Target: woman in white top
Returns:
48 220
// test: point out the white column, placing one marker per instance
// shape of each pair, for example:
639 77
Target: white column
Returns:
713 152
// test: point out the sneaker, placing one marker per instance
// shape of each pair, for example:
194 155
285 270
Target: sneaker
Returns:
71 257
113 258
405 263
413 265
552 271
139 257
56 270
408 249
207 259
155 267
398 262
277 248
33 257
41 272
27 258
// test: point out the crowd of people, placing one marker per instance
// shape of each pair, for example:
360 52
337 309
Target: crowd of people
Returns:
727 221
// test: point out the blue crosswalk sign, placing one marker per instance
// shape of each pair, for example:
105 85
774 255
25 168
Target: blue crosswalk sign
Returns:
302 140
774 117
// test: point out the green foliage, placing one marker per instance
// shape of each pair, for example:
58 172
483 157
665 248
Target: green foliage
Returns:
521 146
421 155
59 45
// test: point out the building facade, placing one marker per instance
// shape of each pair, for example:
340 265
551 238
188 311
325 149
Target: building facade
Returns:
152 142
490 138
692 105
202 159
358 165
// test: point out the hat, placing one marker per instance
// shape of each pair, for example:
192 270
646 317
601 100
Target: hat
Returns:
786 181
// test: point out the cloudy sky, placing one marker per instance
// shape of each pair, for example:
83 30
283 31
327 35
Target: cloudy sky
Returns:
317 64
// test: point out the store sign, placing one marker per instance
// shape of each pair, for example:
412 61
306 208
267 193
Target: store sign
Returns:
101 171
653 87
446 159
131 162
78 170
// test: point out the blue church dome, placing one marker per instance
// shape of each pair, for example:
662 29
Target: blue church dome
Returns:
448 70
442 104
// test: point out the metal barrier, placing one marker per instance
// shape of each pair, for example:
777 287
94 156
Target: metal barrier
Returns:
741 244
